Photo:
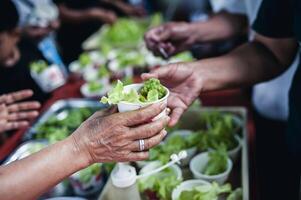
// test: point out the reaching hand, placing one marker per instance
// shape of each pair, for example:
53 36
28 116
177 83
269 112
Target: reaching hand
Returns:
102 15
107 137
184 87
173 37
16 115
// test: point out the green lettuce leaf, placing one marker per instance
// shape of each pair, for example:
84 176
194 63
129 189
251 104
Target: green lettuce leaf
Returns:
205 192
218 162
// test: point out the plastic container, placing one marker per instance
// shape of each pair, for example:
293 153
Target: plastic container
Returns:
91 187
187 185
84 89
124 106
156 164
49 79
191 151
198 163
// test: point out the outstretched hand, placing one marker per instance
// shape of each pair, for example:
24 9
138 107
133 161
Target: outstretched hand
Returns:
15 115
184 87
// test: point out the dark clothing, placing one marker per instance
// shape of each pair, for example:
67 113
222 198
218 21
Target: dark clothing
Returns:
18 77
71 36
282 19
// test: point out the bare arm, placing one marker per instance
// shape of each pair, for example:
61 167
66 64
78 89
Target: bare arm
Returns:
31 177
250 63
220 26
104 137
175 37
79 16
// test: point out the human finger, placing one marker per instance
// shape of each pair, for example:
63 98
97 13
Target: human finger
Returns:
148 130
32 105
22 115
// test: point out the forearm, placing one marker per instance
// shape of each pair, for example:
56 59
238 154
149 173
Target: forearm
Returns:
245 66
77 16
220 26
31 177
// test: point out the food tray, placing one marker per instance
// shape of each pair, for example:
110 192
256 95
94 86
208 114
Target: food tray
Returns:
58 108
239 176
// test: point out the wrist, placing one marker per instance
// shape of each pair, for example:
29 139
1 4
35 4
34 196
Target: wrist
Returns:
77 151
195 29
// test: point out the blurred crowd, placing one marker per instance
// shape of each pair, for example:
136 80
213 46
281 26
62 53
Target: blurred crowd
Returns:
54 31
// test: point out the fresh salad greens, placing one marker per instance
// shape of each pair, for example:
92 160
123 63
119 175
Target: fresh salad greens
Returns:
123 32
218 162
55 129
84 59
151 91
219 129
38 66
161 183
102 72
173 144
88 173
95 86
236 195
128 58
205 192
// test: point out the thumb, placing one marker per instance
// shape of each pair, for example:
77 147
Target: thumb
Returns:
160 73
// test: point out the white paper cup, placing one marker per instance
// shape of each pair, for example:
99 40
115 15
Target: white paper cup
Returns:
156 164
190 152
124 106
199 162
187 186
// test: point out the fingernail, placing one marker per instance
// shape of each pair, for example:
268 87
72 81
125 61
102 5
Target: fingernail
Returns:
164 132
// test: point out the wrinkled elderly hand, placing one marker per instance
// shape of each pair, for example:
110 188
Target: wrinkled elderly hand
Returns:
173 37
184 83
115 138
16 115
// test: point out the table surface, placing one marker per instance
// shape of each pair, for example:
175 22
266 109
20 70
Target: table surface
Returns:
221 98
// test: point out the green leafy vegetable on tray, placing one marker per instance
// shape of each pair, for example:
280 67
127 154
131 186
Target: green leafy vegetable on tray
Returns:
84 59
151 91
219 129
172 145
205 192
161 183
236 195
88 173
218 162
95 86
38 66
55 129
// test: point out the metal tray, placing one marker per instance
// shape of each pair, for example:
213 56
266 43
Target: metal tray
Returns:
240 174
58 108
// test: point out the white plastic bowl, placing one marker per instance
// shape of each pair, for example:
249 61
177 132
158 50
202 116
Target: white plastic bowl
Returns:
75 68
84 89
198 163
124 106
156 164
234 153
187 186
190 152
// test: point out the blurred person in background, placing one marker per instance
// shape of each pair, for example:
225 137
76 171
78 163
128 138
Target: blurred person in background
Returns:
14 71
81 18
270 99
38 21
268 55
15 114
